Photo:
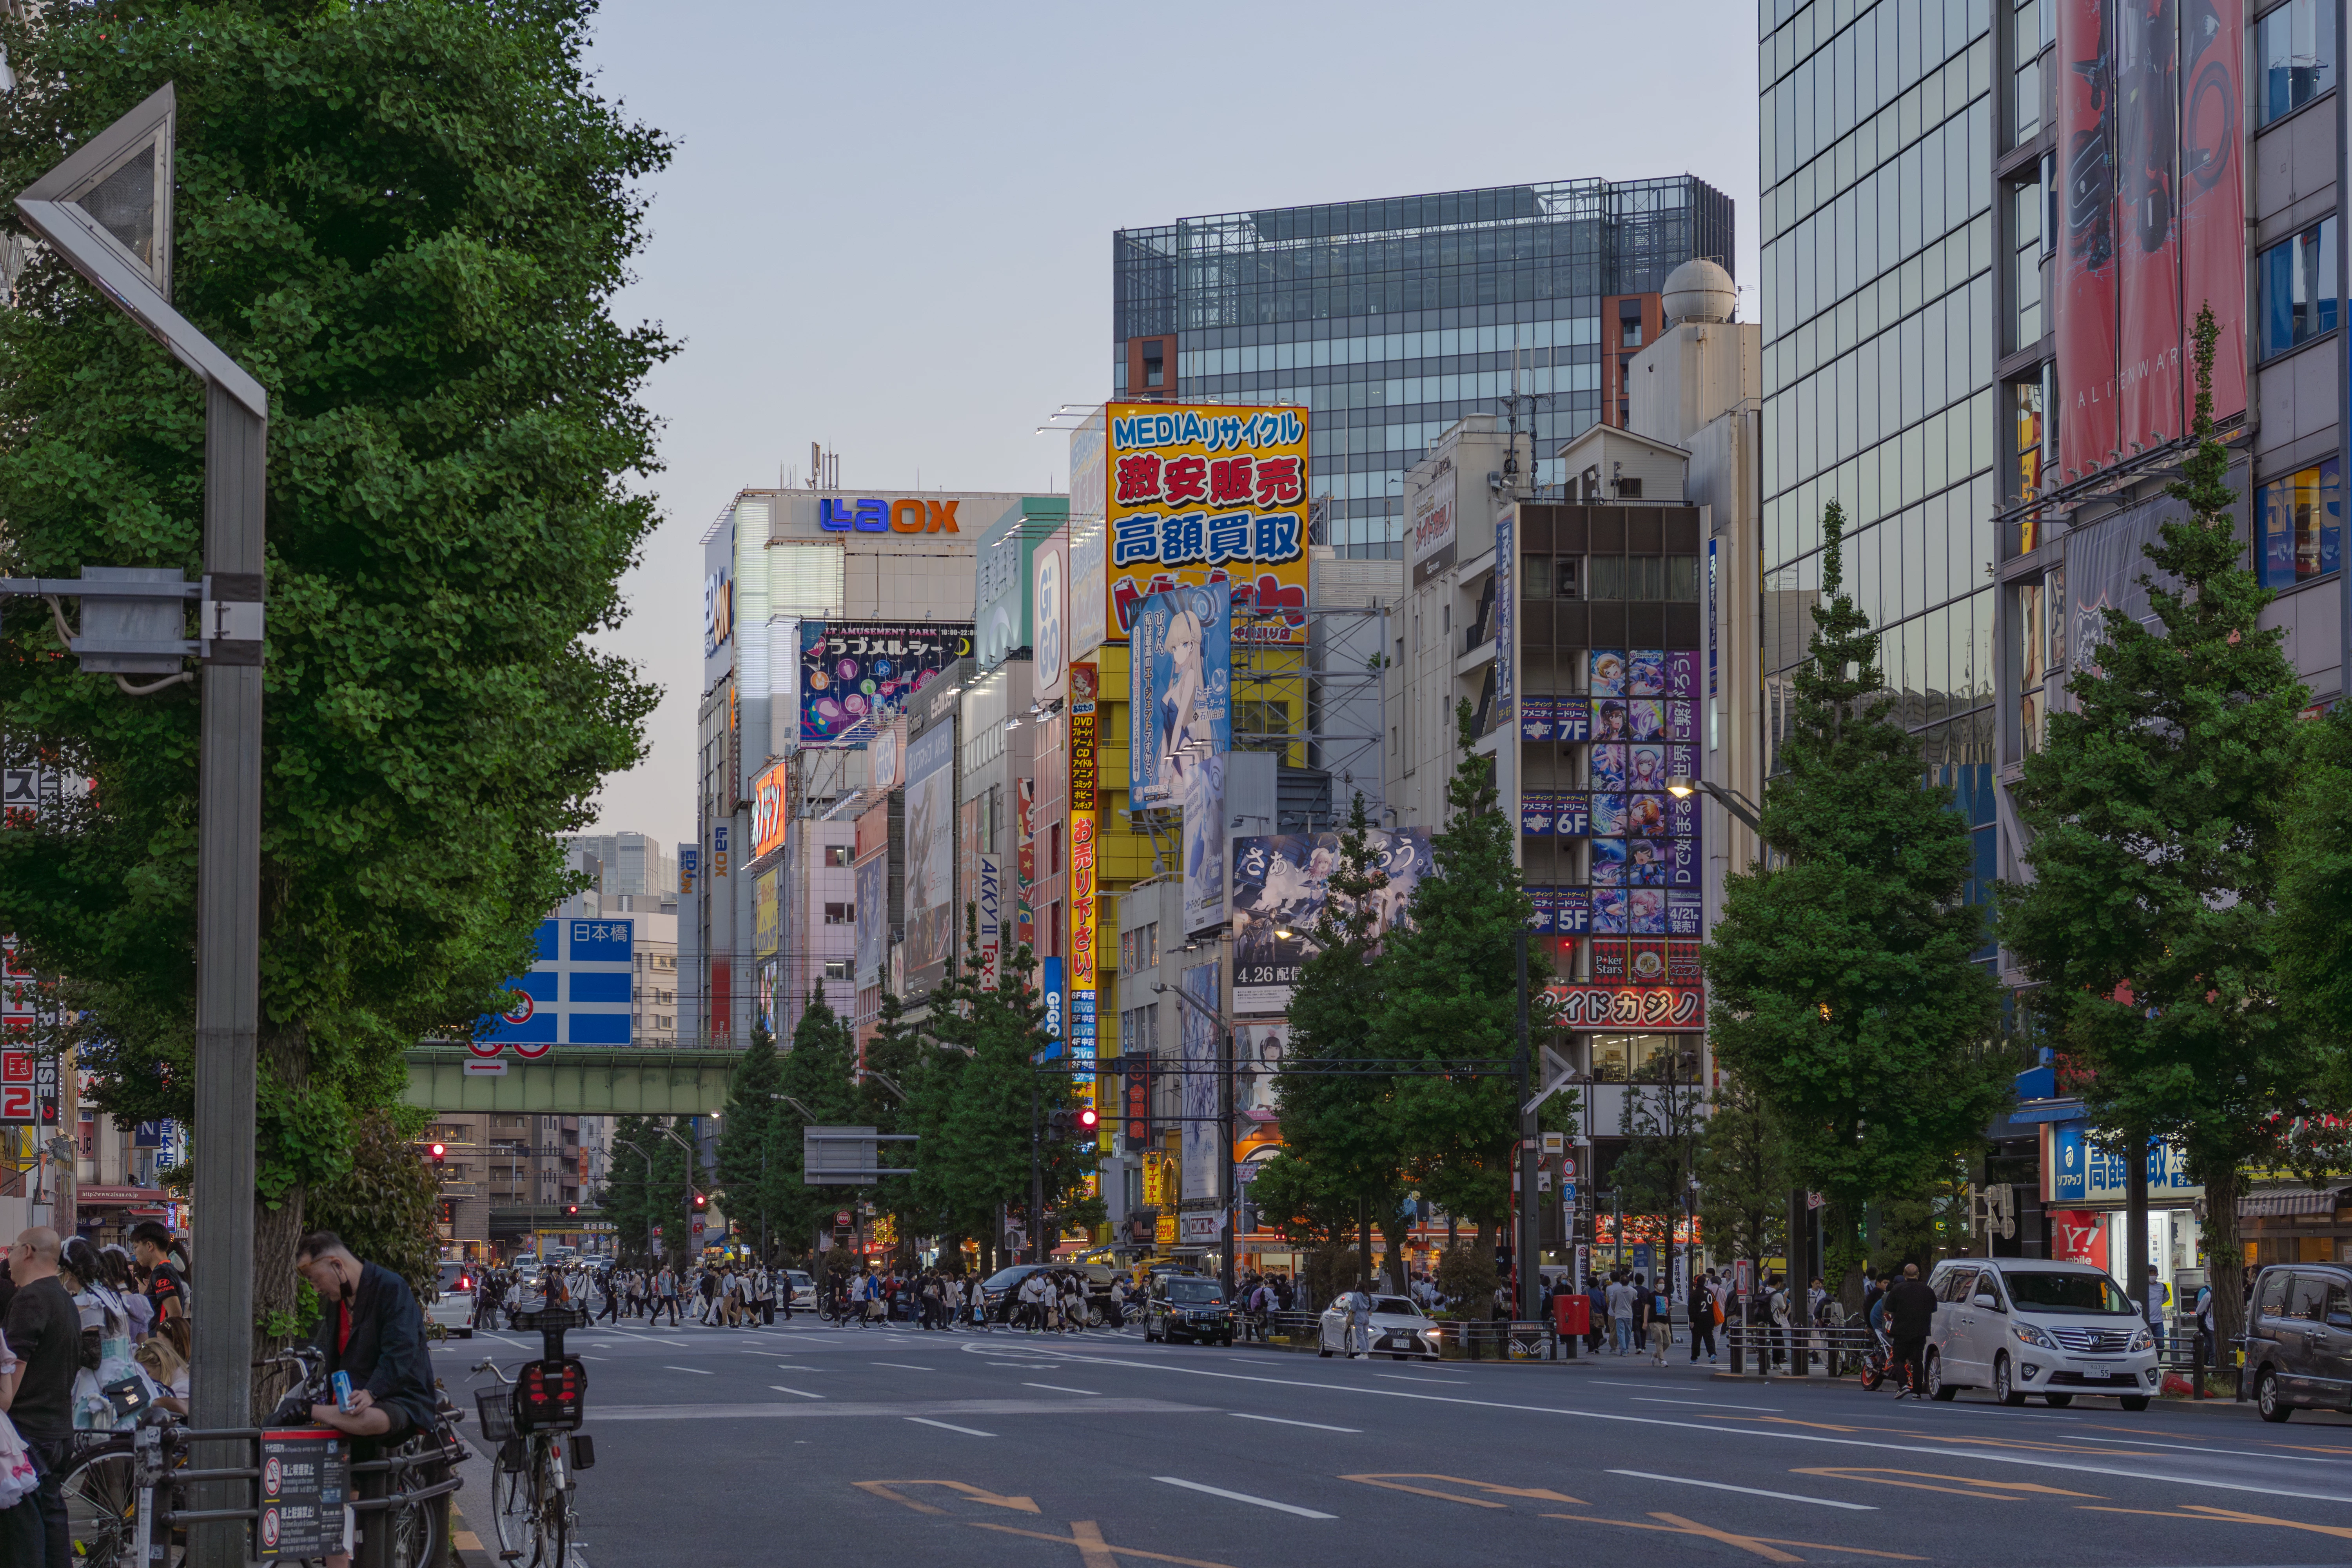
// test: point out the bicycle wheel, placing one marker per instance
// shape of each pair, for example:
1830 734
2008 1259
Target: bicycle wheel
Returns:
555 1527
413 1535
515 1511
101 1496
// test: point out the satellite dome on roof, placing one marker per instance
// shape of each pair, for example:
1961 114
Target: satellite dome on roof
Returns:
1699 291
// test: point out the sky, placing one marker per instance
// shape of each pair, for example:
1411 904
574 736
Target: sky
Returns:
887 229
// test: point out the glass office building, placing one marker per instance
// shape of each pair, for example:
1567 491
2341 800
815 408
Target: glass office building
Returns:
1879 354
1392 319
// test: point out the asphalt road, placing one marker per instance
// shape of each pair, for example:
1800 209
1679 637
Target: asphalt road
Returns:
719 1447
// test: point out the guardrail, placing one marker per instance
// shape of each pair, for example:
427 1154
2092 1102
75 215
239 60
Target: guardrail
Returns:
1798 1350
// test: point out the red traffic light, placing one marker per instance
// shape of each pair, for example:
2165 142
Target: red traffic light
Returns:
571 1209
699 1201
440 1151
1087 1119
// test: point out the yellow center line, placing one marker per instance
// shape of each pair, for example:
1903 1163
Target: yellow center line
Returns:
977 1494
1762 1545
2011 1491
1393 1480
2228 1516
1093 1550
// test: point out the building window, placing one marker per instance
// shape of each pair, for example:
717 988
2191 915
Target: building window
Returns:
837 854
836 969
2025 89
1139 948
2025 275
2296 44
2303 525
2299 288
1629 490
1155 363
840 914
1054 850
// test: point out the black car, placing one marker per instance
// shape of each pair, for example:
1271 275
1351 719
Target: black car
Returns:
1186 1306
2299 1339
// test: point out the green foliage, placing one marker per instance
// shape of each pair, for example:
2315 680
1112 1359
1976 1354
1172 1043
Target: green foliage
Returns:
645 1185
816 1074
1449 988
1743 1176
1844 993
2159 821
385 1202
407 219
747 1140
1337 1147
1663 1125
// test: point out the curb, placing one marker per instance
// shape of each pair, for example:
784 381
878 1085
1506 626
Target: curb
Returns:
466 1548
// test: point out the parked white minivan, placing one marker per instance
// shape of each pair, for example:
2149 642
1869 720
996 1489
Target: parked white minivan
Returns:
2022 1326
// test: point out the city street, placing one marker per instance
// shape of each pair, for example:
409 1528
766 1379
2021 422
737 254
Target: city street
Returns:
724 1447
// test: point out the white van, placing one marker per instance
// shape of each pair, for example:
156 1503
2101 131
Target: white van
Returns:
2022 1326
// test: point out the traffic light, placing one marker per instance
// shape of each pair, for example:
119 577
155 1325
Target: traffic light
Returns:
700 1202
1087 1121
439 1154
571 1209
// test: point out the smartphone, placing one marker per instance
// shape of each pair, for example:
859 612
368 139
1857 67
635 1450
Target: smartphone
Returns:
343 1392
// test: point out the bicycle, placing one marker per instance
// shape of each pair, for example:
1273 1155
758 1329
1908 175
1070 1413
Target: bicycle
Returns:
126 1492
533 1497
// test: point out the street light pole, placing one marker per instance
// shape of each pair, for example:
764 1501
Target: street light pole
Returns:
129 258
1226 1192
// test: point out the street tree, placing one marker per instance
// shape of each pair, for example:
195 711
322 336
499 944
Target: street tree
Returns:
747 1140
814 1080
408 219
1845 990
2158 808
1449 989
1743 1178
645 1189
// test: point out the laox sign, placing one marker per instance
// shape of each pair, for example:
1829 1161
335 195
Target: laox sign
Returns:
888 516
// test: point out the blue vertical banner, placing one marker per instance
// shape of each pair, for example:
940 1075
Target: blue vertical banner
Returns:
1506 605
1056 1002
579 990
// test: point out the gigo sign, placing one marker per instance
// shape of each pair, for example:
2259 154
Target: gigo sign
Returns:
887 516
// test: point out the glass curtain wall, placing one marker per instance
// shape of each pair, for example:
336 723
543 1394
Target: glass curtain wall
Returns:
1391 320
1878 314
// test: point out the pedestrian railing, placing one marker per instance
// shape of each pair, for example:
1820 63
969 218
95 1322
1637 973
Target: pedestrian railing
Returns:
1515 1340
1799 1349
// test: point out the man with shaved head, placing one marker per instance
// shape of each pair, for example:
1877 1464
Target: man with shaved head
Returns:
44 1334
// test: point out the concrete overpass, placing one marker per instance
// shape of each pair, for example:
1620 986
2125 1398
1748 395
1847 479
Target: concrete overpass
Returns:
575 1080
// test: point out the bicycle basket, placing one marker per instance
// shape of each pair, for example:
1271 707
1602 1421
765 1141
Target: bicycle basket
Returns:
496 1407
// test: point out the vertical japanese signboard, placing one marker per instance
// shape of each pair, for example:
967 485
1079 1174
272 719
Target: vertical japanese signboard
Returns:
1203 493
1083 882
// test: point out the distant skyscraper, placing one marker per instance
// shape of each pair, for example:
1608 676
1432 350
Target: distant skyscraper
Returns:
1391 320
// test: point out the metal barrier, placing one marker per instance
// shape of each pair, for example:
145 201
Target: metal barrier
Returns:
158 1481
1516 1339
1837 1351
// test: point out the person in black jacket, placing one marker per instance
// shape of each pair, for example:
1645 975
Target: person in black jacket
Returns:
374 1330
1910 1318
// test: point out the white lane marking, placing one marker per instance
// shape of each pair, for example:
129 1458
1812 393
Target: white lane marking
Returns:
1712 1403
695 1370
1751 1492
967 1431
779 1388
1246 1415
902 1366
1990 1457
1404 1377
1244 1497
1060 1388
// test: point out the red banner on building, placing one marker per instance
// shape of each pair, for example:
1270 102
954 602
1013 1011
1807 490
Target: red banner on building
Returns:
2213 190
2147 228
2087 423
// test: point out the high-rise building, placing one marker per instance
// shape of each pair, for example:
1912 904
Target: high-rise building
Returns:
1880 358
1391 320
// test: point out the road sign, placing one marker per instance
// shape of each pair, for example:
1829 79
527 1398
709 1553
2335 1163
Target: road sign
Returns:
841 1220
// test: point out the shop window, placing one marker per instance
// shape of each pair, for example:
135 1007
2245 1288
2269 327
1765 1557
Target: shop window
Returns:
2296 47
2299 279
2302 525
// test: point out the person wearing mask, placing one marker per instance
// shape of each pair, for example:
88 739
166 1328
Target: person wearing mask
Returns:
1702 1315
44 1335
373 1330
1910 1318
1359 1324
165 1261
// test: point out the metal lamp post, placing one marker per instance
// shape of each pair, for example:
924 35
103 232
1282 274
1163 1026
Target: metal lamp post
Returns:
106 210
1227 1191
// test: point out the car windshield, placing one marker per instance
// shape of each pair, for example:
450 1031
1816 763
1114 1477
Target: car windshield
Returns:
1005 1279
1195 1292
2087 1293
1397 1304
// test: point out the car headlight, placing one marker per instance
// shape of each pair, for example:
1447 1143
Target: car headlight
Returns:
2143 1341
2033 1336
1428 1334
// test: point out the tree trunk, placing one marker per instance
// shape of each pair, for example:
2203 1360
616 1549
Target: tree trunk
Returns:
2225 1260
1393 1234
285 1058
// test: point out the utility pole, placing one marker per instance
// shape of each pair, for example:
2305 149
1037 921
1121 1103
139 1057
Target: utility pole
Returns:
1531 1279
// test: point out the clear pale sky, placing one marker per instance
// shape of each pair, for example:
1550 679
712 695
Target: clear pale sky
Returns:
887 229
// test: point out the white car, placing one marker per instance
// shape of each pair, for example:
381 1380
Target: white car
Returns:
453 1306
1400 1330
2022 1326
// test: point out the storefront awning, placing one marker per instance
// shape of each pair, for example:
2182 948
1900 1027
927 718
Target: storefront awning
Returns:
2295 1202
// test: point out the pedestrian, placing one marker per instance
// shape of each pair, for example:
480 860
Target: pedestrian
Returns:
1702 1315
1621 1315
1776 1305
2153 1303
1910 1317
44 1335
1596 1317
1359 1324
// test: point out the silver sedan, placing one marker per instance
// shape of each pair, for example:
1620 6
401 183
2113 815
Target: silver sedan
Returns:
1400 1330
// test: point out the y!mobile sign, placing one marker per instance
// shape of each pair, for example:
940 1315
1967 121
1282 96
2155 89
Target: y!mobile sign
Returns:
577 994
